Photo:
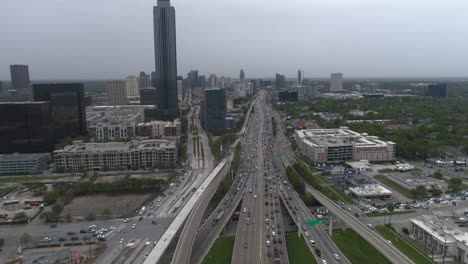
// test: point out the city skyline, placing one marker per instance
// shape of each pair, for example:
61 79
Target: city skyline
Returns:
396 34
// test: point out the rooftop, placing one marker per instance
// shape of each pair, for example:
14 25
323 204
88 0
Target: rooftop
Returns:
80 147
441 229
22 156
370 190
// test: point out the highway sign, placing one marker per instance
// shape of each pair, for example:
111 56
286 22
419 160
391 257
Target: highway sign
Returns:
316 222
278 155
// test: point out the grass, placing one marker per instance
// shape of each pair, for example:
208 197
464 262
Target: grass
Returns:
375 214
397 187
29 179
356 249
403 245
221 251
298 252
5 190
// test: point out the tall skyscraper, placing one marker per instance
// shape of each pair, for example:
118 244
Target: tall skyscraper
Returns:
165 59
192 79
144 80
202 81
67 105
132 86
26 127
116 92
280 81
299 77
19 77
213 79
336 82
215 109
242 74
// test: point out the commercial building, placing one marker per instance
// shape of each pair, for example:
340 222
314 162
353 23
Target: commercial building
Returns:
286 96
370 191
148 96
441 239
336 82
230 123
280 81
159 129
437 90
68 107
116 92
165 59
215 109
144 80
132 86
117 156
242 74
342 145
193 79
17 163
107 123
19 77
299 77
26 127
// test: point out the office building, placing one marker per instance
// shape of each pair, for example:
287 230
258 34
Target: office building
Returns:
116 92
117 156
336 82
153 79
280 81
165 59
212 80
342 145
202 81
192 79
132 86
26 163
286 96
144 80
148 96
299 77
215 109
441 239
68 107
19 77
437 90
241 75
180 90
26 127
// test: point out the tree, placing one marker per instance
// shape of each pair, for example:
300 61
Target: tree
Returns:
57 208
107 212
91 216
25 239
20 216
68 217
455 184
438 175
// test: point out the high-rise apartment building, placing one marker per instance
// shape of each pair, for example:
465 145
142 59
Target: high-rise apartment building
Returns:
202 81
215 109
299 77
116 92
280 81
165 59
242 74
67 105
132 86
336 82
192 79
212 80
19 77
26 127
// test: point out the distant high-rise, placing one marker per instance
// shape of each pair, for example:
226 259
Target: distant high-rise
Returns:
116 92
132 86
165 59
202 81
242 74
215 109
437 90
148 96
299 77
144 80
67 105
336 82
213 80
26 127
153 79
19 77
180 92
280 81
192 79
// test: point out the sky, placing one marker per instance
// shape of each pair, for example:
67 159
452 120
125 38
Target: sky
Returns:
111 39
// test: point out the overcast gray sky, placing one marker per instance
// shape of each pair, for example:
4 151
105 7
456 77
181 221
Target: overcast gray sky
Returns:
103 39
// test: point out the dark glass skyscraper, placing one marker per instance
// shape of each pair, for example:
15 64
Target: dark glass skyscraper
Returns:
26 127
68 107
215 109
165 59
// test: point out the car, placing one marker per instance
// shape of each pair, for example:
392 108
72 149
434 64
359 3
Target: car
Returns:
280 240
318 252
73 238
356 214
273 233
269 253
253 221
413 237
244 210
336 256
127 220
133 226
255 196
46 239
306 234
245 245
268 243
388 241
275 240
140 218
53 225
324 261
83 231
370 226
312 242
62 239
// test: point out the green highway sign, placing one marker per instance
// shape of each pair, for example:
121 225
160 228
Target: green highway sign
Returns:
316 222
278 155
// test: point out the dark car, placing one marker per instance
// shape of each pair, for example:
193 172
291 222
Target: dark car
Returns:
71 233
355 214
74 238
83 231
318 252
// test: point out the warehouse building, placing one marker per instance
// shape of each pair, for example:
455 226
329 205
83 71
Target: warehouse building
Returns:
24 163
370 191
342 145
117 156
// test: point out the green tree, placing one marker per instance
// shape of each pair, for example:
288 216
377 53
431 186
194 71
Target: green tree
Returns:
20 216
107 212
57 208
91 216
68 217
438 175
455 184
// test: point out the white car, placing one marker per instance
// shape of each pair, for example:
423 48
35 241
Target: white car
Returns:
324 261
273 233
255 196
312 242
306 234
245 210
133 226
268 243
336 256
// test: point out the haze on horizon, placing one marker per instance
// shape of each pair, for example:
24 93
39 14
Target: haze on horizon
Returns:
362 38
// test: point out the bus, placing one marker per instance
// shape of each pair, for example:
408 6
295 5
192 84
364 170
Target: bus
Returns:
217 218
11 202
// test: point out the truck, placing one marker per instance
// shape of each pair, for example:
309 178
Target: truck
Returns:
217 218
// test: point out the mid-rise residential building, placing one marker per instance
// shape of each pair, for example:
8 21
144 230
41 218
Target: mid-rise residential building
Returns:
342 145
26 127
117 156
159 129
25 163
67 105
132 86
336 82
116 92
107 123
